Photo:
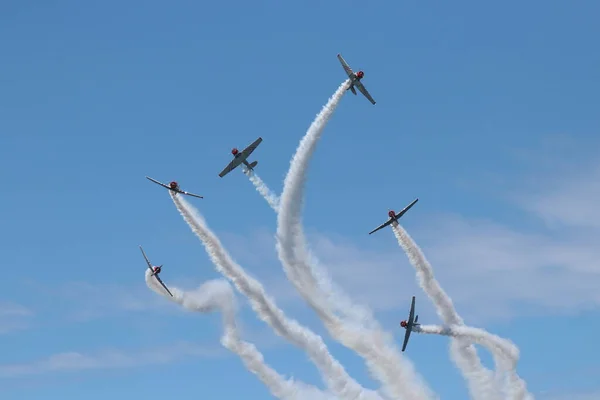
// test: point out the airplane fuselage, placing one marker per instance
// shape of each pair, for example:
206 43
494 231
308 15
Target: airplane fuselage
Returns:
245 162
412 328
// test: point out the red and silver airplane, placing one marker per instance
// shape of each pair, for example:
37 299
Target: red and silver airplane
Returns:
410 324
394 216
355 79
155 271
174 187
240 157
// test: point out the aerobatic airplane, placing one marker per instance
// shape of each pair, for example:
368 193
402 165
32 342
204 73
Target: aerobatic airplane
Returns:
355 79
410 324
174 187
240 157
394 217
155 271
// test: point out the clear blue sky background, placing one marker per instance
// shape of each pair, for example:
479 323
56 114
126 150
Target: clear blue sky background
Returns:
487 112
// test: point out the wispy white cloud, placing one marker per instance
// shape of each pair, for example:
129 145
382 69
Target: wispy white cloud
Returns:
85 301
568 200
499 264
14 317
587 395
93 301
110 359
12 309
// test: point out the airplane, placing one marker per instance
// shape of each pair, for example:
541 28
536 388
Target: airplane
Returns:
240 158
174 186
394 217
155 271
410 324
355 79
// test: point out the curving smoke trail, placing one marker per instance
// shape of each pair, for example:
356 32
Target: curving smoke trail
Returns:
482 384
217 295
480 379
494 343
506 350
375 346
333 373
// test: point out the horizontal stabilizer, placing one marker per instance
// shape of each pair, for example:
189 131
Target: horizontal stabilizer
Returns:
253 164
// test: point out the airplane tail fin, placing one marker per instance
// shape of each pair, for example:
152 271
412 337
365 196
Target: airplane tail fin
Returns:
416 319
353 90
253 164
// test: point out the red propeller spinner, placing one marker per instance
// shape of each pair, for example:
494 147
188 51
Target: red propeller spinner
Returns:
403 324
360 74
391 214
234 151
173 185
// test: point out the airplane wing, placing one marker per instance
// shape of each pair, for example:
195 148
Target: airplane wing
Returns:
406 337
146 258
405 209
231 166
190 194
411 314
409 325
346 66
364 91
163 285
248 150
158 183
382 226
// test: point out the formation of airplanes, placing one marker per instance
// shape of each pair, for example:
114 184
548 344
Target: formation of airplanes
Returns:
241 158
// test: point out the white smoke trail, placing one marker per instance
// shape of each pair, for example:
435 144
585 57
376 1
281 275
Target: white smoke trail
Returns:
480 379
263 189
218 295
495 344
335 376
482 384
375 346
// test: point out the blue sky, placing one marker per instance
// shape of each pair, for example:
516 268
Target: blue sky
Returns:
486 112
